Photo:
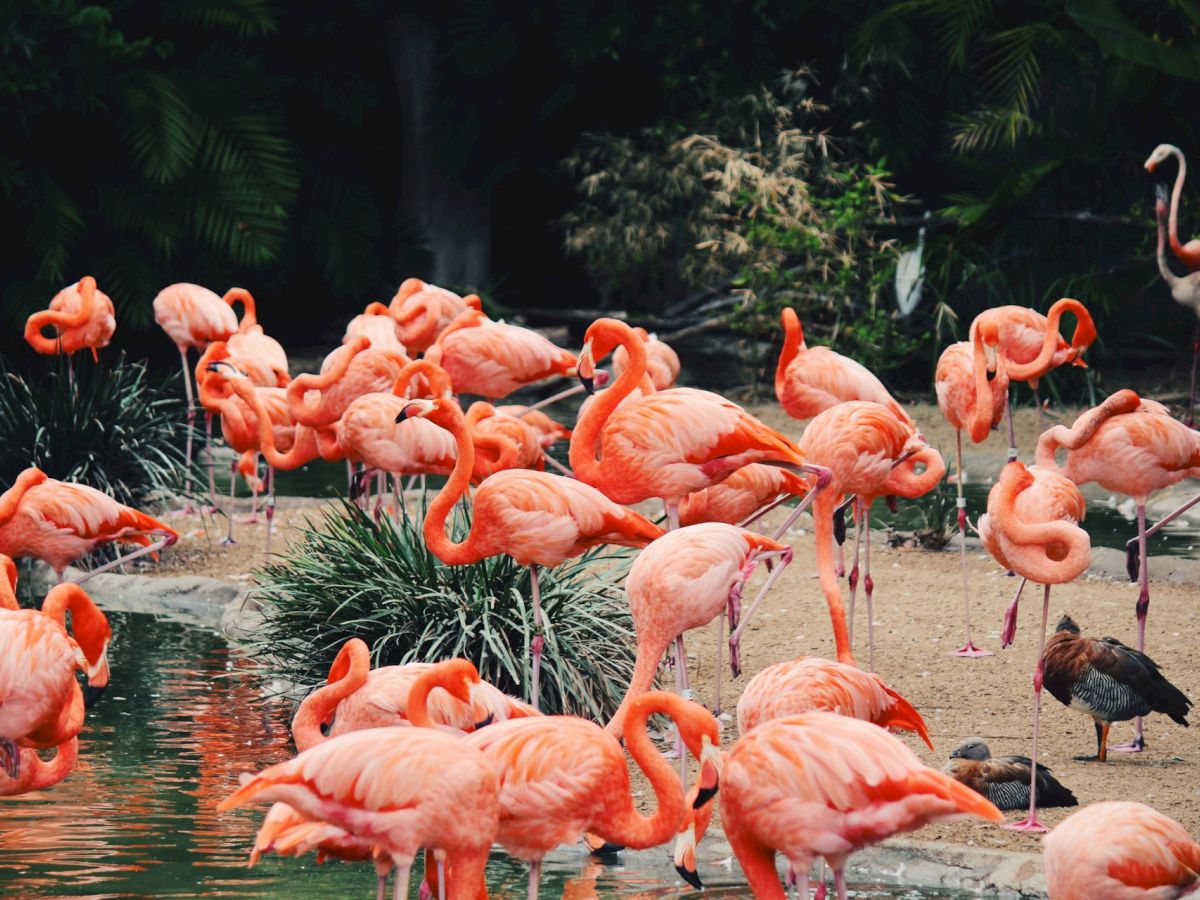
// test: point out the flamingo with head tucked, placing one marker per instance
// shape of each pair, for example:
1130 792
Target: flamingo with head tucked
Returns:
376 324
662 363
422 311
82 318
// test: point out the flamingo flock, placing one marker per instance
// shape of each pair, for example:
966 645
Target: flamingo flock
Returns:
397 762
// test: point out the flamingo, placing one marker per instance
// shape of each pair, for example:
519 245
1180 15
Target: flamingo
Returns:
743 496
1031 344
400 788
684 580
61 522
810 380
422 311
37 774
561 776
1128 446
871 453
483 418
493 359
824 785
261 357
356 697
1185 290
970 402
548 431
662 363
668 444
1031 528
376 324
353 369
537 518
1189 253
81 316
192 316
1120 850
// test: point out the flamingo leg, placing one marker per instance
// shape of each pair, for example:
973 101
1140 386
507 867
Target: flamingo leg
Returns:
1191 419
380 493
839 884
735 636
189 419
270 507
1138 744
252 519
535 877
400 888
229 541
720 639
672 514
208 454
349 477
121 560
802 885
968 650
441 870
1009 630
820 878
681 688
380 887
555 464
1031 823
538 641
1133 549
800 507
853 577
398 504
868 588
1012 434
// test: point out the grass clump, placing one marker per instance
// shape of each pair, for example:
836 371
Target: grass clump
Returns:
116 430
349 576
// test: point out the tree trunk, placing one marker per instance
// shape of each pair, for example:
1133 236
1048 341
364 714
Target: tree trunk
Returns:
454 216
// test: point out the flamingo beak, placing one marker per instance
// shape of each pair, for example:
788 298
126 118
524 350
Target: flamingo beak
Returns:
585 368
989 352
710 772
685 857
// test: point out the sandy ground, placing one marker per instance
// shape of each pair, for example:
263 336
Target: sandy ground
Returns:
918 619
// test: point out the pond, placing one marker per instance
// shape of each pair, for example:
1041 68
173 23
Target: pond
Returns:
185 715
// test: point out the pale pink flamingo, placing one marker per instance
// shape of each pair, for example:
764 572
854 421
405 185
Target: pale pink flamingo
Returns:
823 785
561 776
353 369
1185 290
1120 850
1189 253
1129 446
970 402
400 788
483 418
536 518
1031 527
82 318
260 356
422 311
662 363
668 444
871 453
493 359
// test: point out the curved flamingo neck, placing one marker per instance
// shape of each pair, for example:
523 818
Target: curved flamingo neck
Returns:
1037 564
793 343
89 626
309 413
1160 253
1176 193
435 376
8 584
303 450
434 529
823 507
417 705
645 669
1084 429
61 320
37 774
347 674
628 826
376 309
981 415
903 480
584 452
11 499
249 308
1085 333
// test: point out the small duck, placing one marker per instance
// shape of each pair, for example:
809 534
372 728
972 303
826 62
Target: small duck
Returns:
1004 780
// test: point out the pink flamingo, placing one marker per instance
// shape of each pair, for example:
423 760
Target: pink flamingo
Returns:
823 785
376 324
399 788
970 402
871 453
536 518
422 311
1031 528
743 496
1185 290
1129 446
668 444
548 431
561 776
350 371
1122 850
493 359
82 318
662 363
37 774
1189 253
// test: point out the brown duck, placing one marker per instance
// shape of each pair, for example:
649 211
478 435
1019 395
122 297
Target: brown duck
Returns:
1004 780
1107 680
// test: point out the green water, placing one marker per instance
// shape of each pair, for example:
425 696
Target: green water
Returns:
137 818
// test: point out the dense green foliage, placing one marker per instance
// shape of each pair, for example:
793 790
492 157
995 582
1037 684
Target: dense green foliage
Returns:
116 430
349 576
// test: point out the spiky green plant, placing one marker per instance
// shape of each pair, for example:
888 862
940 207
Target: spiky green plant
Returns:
349 576
117 429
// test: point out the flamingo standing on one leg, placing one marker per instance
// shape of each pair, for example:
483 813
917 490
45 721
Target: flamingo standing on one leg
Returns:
970 402
871 453
1031 528
536 518
1185 290
82 318
561 776
668 444
192 316
1128 446
823 785
1120 850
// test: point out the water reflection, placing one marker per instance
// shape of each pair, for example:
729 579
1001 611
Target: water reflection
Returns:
137 818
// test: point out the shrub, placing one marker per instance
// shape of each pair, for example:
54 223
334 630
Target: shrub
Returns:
116 430
349 576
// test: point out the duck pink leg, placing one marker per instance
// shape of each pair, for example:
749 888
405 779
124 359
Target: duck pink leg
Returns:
1031 823
1138 744
968 650
538 641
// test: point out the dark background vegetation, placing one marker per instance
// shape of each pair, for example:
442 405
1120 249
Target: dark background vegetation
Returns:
320 153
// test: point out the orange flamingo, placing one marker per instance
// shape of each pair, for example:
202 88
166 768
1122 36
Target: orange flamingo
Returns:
261 357
970 402
81 316
350 371
286 832
823 785
1031 528
1120 850
483 418
662 363
684 580
400 788
61 522
1129 446
810 380
37 774
376 324
668 444
1031 344
548 431
536 518
1185 290
871 453
422 311
493 359
743 496
192 316
356 697
561 776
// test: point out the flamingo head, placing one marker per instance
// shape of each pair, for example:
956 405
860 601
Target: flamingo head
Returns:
989 336
444 412
1161 152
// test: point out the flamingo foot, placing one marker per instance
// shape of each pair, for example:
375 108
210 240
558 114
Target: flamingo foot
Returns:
735 657
12 757
1029 825
820 892
970 651
247 520
1137 745
227 542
